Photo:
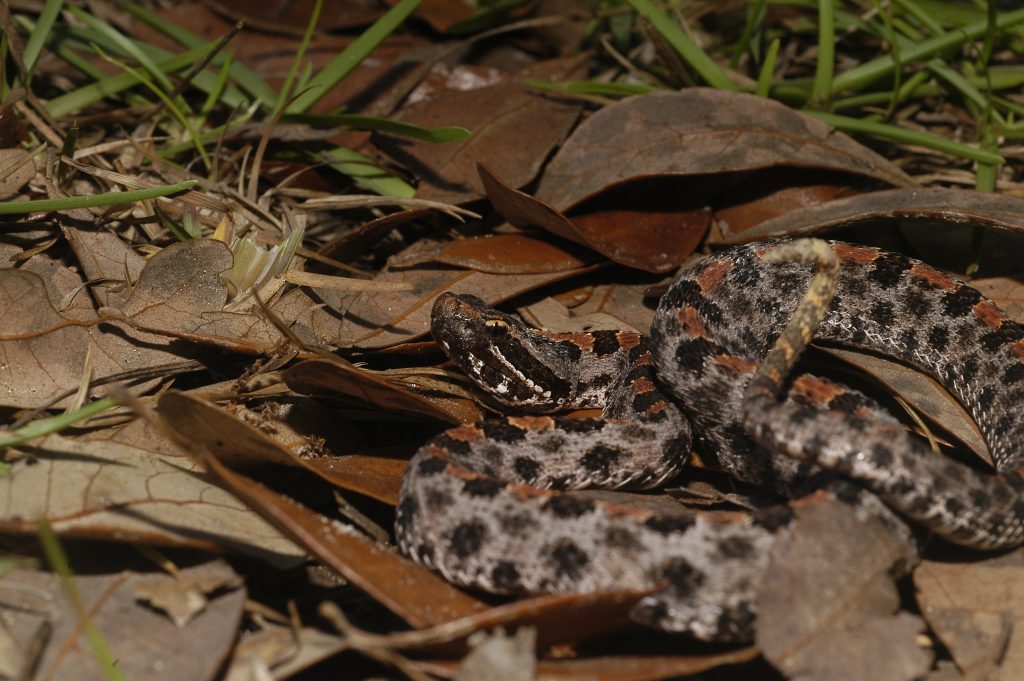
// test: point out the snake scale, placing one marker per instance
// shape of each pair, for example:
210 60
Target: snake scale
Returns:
492 505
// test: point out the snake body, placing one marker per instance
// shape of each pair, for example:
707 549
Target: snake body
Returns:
493 505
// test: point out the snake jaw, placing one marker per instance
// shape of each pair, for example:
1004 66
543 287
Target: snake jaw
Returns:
500 353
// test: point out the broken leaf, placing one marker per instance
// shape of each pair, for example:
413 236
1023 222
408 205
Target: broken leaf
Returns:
825 609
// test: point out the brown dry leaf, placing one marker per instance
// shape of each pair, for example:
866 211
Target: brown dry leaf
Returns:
499 254
237 444
551 315
558 619
645 668
179 294
514 130
699 131
143 640
497 657
186 594
443 14
937 205
629 298
131 492
13 130
975 609
386 318
826 609
407 589
16 663
923 393
763 196
351 243
336 376
656 238
624 668
42 353
283 650
244 448
102 254
16 171
377 477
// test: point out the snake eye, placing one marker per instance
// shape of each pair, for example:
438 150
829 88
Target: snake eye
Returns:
496 324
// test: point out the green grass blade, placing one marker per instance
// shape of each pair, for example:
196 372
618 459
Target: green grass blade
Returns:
915 10
242 75
93 201
37 38
821 91
126 45
894 40
209 135
856 125
58 561
286 90
365 174
857 77
42 427
439 135
957 80
204 81
109 86
764 78
181 116
352 55
987 173
753 24
592 87
213 98
697 58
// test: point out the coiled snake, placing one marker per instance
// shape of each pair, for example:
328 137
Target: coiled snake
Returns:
487 506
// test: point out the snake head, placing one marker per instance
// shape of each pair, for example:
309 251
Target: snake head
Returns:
502 355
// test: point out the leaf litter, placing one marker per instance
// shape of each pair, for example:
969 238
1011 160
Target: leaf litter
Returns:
277 422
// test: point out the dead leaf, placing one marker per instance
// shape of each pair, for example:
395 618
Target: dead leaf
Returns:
102 254
13 130
244 448
624 668
699 131
131 492
499 254
938 205
765 195
975 609
493 655
407 589
825 610
178 295
336 376
16 171
283 650
185 595
387 318
551 315
656 238
514 129
143 640
373 476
